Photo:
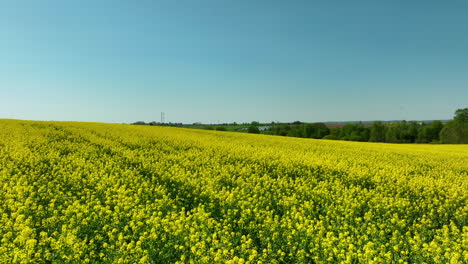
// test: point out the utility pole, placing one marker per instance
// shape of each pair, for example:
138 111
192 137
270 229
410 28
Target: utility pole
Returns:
162 117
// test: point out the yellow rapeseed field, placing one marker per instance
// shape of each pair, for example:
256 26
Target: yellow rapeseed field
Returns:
102 193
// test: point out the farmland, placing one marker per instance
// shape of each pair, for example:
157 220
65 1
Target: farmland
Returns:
92 192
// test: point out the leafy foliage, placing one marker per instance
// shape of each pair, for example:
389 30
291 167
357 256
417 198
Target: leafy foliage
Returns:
456 131
253 129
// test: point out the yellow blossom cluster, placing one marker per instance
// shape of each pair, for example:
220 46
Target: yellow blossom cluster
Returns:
74 192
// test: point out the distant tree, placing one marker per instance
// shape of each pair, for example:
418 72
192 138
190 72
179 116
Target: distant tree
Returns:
436 127
139 123
296 131
280 129
377 132
220 128
253 130
365 134
331 137
317 130
430 133
360 134
423 134
308 130
334 133
391 135
346 131
456 131
255 123
461 115
354 132
402 132
409 132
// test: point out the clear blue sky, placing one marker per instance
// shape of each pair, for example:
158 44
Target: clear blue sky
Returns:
210 61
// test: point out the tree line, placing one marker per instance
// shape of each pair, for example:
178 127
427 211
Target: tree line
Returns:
452 132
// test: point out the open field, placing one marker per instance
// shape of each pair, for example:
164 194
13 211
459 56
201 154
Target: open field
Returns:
92 192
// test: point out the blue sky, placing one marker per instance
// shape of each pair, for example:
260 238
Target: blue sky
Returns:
210 61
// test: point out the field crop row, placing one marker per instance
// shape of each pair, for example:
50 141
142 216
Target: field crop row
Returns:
88 192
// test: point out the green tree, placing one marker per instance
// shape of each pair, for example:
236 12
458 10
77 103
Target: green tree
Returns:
377 132
282 130
139 123
391 135
320 130
430 133
456 131
334 134
315 130
410 132
461 115
354 133
255 123
253 130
